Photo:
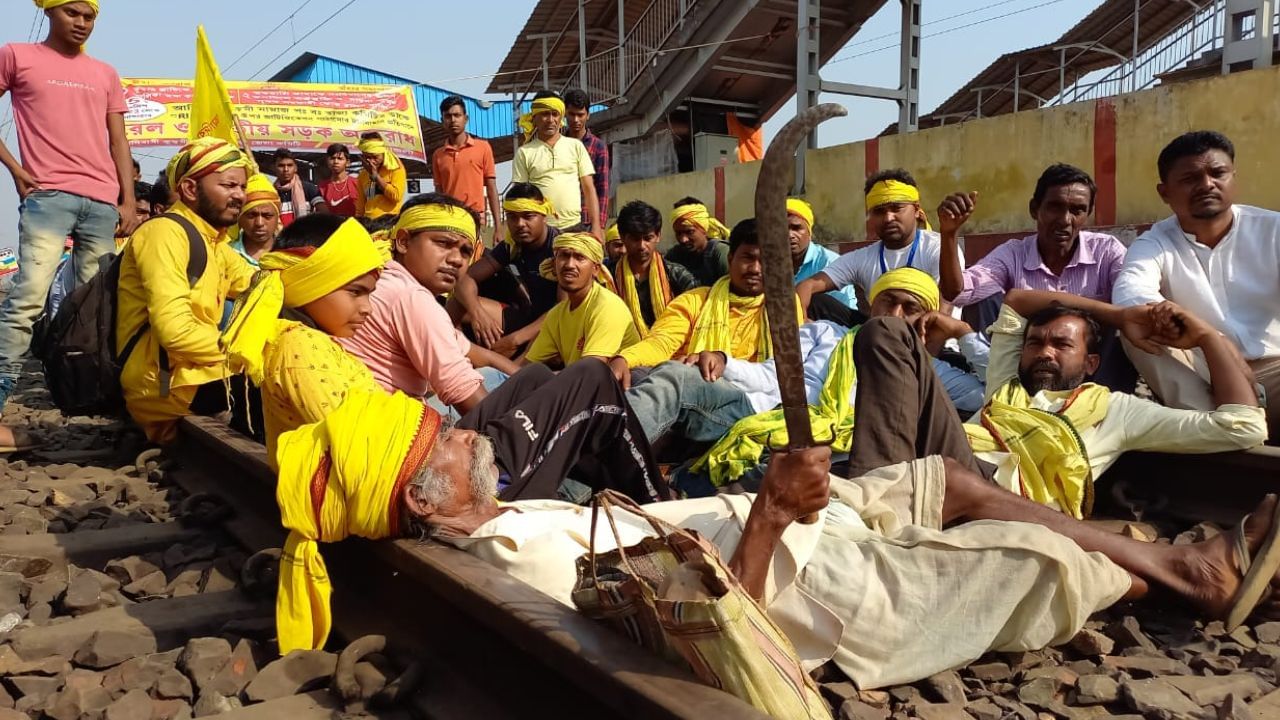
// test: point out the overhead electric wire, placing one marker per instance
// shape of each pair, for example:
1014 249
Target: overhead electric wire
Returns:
268 34
294 44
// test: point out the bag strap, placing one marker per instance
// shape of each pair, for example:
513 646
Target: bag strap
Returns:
197 262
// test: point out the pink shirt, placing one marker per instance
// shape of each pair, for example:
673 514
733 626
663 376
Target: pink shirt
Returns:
60 106
1090 273
410 344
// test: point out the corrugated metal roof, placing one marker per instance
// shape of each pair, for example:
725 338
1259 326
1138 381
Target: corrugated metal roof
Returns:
1110 25
491 120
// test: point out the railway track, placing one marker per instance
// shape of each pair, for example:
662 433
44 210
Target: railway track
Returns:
102 635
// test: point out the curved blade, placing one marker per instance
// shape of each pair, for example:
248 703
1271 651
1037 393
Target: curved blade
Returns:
777 173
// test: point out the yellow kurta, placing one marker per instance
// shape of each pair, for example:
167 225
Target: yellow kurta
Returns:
306 376
669 336
184 320
384 203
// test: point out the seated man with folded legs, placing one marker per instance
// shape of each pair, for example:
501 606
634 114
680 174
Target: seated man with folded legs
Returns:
645 281
875 584
1044 433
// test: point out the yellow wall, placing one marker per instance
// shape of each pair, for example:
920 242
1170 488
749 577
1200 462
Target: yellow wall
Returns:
1001 157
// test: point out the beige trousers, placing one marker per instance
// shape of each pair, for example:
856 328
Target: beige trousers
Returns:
1180 378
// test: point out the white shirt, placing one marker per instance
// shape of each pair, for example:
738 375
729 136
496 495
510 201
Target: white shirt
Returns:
861 268
818 341
1234 286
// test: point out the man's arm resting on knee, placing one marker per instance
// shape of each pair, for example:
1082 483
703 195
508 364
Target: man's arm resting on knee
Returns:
795 485
814 285
1230 378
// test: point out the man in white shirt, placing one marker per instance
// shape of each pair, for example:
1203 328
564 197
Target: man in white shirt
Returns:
560 166
903 239
1219 260
1045 433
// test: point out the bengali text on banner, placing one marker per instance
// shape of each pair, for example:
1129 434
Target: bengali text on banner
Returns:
300 116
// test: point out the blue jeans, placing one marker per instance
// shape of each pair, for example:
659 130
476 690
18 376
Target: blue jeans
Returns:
46 219
676 393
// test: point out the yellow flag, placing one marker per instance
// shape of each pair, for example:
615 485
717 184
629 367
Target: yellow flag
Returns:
212 114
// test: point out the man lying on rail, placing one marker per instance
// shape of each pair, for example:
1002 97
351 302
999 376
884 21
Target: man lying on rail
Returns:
876 583
1045 433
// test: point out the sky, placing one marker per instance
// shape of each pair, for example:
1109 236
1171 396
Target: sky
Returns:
156 38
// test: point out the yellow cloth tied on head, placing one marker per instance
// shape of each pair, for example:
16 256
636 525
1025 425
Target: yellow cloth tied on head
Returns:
524 205
342 476
831 419
51 4
612 233
440 218
712 332
801 209
700 216
260 190
917 282
1053 464
659 290
895 191
584 244
202 157
289 280
373 146
539 105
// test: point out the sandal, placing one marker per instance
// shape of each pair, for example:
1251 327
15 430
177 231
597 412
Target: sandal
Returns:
1258 569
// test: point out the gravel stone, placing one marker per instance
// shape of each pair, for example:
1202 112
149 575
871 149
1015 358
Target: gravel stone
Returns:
112 647
299 671
1156 698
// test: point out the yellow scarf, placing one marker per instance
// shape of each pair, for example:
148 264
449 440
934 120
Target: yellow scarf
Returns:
288 280
831 419
260 190
523 205
801 209
893 191
440 218
202 157
711 331
541 105
584 244
1052 461
700 216
917 282
342 476
659 290
51 4
379 147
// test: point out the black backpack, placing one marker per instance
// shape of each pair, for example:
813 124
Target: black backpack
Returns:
77 345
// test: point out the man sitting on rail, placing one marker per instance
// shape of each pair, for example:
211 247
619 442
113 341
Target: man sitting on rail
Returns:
699 241
727 317
643 278
1217 258
176 367
408 341
856 586
377 445
507 318
1045 433
591 321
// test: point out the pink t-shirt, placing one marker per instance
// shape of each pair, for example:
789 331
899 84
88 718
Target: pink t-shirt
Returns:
410 344
60 105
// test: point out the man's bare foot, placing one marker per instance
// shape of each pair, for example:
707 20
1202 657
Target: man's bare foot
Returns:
1210 569
13 439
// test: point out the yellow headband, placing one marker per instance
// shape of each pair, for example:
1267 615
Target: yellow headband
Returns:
612 233
801 209
541 105
51 4
203 157
700 216
345 475
917 282
442 218
260 190
581 243
292 280
891 191
378 147
528 205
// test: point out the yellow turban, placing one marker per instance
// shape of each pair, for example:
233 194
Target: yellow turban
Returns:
378 147
612 234
583 244
700 216
540 105
51 4
292 278
523 205
442 218
342 476
893 191
202 157
260 190
917 282
801 209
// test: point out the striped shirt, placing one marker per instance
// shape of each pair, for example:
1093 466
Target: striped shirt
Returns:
1091 273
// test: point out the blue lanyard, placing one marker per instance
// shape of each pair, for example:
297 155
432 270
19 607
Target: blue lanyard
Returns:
911 256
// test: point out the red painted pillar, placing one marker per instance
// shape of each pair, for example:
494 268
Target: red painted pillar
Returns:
1104 162
718 172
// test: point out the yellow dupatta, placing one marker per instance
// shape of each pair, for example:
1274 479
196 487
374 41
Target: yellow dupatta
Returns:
712 331
659 290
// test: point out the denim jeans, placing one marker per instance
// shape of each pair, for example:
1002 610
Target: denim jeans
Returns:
46 219
676 393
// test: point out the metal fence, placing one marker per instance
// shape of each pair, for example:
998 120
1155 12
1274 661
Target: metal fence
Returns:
610 73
